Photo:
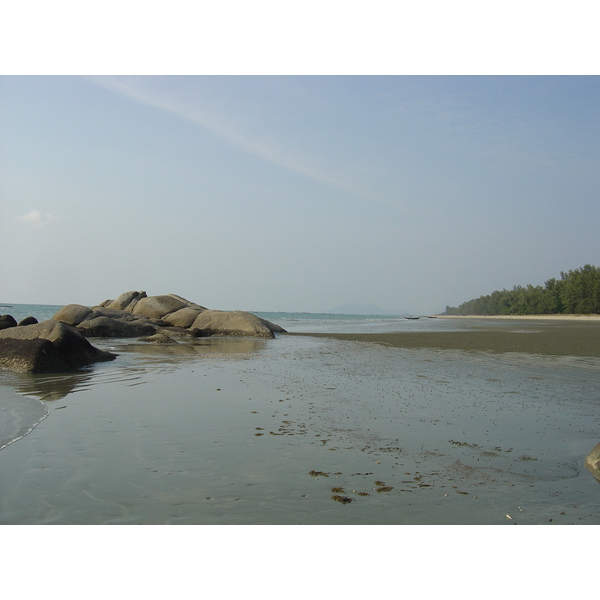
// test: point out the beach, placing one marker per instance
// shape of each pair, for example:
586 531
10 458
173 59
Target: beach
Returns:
555 335
311 429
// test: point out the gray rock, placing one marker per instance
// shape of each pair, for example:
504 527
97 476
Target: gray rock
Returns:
73 314
235 322
27 321
7 321
104 326
126 301
103 321
187 302
159 338
157 307
135 314
113 313
184 317
272 326
592 462
47 347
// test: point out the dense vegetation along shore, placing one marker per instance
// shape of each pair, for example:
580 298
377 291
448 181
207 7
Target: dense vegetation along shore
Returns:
550 337
576 292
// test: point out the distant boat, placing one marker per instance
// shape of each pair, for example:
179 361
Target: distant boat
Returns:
431 317
413 318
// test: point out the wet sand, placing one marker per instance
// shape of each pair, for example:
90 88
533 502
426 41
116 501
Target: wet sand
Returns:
556 337
305 430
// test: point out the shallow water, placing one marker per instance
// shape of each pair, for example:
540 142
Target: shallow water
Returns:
230 435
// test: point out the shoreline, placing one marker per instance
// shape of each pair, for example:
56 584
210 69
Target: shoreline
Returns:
554 337
525 317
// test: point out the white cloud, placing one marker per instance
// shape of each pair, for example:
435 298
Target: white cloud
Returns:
35 218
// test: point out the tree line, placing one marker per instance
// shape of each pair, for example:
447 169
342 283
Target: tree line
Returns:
576 292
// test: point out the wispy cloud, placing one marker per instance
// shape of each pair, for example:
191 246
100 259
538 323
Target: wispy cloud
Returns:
36 219
266 147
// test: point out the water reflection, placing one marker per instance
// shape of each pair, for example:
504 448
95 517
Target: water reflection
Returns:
136 361
213 345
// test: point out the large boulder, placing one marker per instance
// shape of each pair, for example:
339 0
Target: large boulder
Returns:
592 462
47 347
235 322
184 317
157 307
73 314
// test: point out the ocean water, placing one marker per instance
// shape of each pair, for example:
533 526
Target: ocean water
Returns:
301 430
19 311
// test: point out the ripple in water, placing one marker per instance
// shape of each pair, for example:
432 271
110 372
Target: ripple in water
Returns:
18 416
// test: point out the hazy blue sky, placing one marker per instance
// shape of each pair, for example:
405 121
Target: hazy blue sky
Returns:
295 193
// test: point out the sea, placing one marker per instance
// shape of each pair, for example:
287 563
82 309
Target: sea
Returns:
301 430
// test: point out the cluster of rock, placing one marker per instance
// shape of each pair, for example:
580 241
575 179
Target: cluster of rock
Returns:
8 321
25 346
134 313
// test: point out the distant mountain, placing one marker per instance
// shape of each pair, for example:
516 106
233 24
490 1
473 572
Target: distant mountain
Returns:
363 309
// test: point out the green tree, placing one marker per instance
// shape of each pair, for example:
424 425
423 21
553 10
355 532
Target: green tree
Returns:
577 291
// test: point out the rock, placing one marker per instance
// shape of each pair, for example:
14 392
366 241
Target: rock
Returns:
126 301
157 307
102 321
153 307
272 326
27 321
184 317
47 347
235 322
187 302
200 332
7 321
592 462
135 314
72 314
159 338
104 326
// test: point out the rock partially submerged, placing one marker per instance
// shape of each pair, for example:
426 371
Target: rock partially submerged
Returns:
7 321
159 338
60 343
592 462
237 322
135 314
47 347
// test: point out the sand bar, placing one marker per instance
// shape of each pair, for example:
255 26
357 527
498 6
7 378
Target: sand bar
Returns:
567 335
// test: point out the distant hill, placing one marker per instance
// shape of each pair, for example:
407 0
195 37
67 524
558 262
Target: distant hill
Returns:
363 309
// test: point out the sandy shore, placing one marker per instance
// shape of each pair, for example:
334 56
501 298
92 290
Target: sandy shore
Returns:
526 317
560 336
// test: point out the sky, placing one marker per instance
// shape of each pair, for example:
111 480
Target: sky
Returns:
295 193
417 171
